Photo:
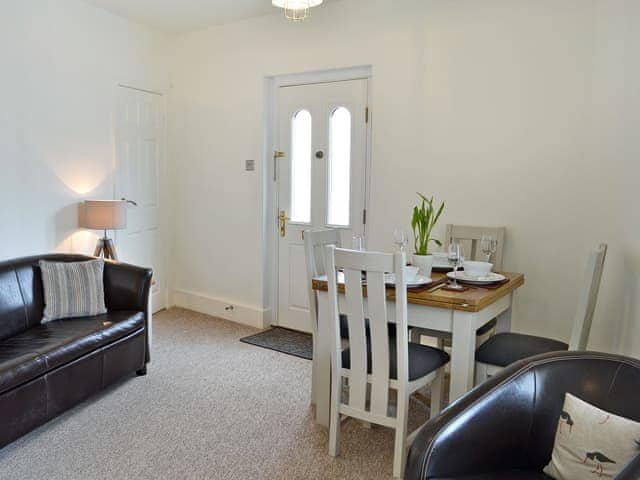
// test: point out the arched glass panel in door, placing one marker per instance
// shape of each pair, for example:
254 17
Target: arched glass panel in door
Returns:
301 167
339 167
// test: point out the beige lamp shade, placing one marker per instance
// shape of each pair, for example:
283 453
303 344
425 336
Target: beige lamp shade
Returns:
104 215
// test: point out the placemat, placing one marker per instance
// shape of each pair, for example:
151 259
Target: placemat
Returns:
458 290
492 286
428 286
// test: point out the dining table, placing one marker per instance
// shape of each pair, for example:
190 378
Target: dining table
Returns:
458 313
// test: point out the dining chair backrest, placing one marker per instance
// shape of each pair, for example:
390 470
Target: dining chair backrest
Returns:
353 263
588 298
314 243
469 237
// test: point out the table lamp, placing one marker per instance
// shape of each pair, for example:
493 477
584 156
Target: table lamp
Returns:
104 215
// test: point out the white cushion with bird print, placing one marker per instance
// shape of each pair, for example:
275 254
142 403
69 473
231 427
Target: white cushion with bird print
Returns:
591 443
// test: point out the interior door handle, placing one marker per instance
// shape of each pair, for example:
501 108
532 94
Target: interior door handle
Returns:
276 155
129 201
283 223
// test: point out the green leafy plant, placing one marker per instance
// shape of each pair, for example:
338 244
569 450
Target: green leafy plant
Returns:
424 219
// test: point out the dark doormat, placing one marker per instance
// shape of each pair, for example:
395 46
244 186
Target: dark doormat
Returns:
283 340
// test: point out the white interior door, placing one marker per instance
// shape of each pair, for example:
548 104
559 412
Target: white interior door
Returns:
140 131
321 179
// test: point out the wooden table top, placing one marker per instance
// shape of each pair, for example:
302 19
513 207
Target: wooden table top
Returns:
473 299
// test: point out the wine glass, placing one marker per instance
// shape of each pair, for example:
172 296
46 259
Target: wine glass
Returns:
455 260
357 242
488 245
400 238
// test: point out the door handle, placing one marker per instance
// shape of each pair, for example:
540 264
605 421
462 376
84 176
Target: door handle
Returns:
135 204
283 223
276 155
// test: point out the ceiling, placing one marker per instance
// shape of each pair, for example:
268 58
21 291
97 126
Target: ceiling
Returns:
178 16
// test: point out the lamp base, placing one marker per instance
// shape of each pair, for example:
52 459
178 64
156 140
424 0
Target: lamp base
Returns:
106 248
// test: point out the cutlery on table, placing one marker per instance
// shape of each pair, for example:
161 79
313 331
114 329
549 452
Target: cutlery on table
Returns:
437 287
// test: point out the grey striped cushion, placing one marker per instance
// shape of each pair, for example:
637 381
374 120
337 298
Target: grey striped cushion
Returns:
72 289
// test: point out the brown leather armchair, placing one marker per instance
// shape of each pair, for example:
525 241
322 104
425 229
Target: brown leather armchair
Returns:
505 428
46 369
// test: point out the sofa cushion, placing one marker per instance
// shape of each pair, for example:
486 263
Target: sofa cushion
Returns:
503 349
62 341
68 339
72 289
18 367
591 442
422 359
21 297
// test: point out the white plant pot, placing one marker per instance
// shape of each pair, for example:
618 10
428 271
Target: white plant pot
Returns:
424 264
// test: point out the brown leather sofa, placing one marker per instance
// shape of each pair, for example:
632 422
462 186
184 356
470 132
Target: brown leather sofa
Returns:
47 368
505 428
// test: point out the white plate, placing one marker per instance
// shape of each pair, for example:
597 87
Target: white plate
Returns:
473 280
420 280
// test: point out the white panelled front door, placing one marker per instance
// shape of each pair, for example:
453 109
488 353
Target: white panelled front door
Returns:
140 130
321 179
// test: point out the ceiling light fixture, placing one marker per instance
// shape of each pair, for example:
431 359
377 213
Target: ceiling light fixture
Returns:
296 10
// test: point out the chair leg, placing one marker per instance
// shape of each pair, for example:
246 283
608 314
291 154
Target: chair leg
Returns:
437 394
314 375
334 420
481 373
400 449
313 388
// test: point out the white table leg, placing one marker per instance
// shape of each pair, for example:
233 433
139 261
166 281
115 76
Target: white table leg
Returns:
463 350
504 319
322 362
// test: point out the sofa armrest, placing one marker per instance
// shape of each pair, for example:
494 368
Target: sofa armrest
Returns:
631 471
484 431
127 287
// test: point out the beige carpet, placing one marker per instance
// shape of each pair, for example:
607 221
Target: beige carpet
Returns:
211 407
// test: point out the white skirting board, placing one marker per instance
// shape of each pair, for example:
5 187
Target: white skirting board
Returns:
202 303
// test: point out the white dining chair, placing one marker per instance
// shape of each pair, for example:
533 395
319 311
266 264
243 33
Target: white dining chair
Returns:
314 243
504 349
469 237
377 361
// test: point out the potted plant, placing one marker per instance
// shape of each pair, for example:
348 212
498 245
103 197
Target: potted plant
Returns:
424 219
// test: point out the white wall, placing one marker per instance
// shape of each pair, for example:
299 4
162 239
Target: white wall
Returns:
515 112
537 100
61 62
618 80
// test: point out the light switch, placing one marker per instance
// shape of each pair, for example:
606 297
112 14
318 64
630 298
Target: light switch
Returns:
250 165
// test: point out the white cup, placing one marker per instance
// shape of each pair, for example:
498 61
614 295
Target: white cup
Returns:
410 273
